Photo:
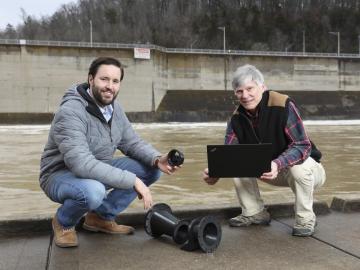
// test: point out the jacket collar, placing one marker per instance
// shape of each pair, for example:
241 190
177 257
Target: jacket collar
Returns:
92 107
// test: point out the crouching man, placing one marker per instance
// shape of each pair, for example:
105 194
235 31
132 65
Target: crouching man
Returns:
265 116
78 168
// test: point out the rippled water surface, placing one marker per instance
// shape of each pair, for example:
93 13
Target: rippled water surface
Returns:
21 147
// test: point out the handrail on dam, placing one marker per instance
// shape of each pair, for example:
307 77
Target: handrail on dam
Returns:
24 42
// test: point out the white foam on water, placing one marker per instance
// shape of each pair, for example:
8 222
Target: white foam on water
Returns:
194 125
173 125
24 129
332 122
178 125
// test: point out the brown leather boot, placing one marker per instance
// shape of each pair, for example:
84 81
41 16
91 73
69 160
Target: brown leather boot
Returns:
96 224
64 237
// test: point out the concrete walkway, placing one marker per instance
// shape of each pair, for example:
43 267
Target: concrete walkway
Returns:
335 245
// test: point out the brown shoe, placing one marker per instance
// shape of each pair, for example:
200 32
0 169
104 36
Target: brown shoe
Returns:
64 237
96 224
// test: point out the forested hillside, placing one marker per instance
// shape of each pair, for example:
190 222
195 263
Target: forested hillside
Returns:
274 25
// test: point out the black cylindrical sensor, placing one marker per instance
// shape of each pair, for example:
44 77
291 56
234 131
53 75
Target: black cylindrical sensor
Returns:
175 158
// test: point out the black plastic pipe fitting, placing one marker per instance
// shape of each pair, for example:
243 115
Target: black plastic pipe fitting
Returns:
200 233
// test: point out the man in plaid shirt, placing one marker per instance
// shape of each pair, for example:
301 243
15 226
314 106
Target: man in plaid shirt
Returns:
269 117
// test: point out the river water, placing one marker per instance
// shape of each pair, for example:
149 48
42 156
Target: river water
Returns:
21 147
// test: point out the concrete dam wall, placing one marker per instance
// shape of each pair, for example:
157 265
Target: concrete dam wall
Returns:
186 105
172 86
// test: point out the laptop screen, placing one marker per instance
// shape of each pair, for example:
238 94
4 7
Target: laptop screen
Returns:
239 160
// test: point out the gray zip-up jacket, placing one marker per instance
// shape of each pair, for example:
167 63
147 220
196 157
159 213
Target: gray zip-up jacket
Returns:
81 141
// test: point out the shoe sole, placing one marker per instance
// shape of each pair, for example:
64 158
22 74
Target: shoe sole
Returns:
66 245
96 229
265 223
302 235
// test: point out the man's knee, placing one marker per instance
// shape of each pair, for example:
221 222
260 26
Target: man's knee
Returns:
306 173
94 195
152 176
302 176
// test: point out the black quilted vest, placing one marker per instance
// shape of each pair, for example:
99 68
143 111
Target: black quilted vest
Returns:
273 115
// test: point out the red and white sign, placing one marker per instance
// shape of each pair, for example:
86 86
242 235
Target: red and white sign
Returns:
142 53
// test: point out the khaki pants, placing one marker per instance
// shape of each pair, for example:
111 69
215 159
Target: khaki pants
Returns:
303 179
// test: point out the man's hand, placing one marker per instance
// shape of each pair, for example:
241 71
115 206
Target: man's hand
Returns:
272 174
143 193
165 167
208 179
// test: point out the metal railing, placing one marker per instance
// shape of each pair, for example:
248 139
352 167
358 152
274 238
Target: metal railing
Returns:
24 42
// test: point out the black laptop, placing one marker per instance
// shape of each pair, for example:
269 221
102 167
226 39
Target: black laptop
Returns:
239 160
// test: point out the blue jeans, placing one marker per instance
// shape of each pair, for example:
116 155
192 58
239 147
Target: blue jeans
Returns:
79 196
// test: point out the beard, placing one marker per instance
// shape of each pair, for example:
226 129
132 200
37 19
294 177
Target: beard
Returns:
100 97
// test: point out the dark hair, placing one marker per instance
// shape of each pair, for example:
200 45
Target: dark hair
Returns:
105 61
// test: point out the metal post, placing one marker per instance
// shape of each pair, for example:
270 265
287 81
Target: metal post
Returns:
192 43
338 40
304 42
359 44
222 28
224 40
288 47
91 38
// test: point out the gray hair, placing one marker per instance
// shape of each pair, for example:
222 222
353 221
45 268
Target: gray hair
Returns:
245 73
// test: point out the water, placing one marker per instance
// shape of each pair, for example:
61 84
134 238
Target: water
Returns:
21 147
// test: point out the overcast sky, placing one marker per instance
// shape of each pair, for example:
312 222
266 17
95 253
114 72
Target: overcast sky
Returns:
10 9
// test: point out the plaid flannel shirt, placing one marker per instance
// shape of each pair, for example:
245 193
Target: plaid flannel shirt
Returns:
299 146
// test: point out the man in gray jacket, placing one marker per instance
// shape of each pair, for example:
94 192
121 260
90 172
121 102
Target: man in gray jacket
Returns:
78 168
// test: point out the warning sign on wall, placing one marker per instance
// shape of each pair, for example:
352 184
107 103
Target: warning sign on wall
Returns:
142 53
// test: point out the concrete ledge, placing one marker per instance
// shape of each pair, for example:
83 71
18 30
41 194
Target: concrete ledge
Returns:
24 227
345 205
287 209
222 212
313 105
218 105
25 118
